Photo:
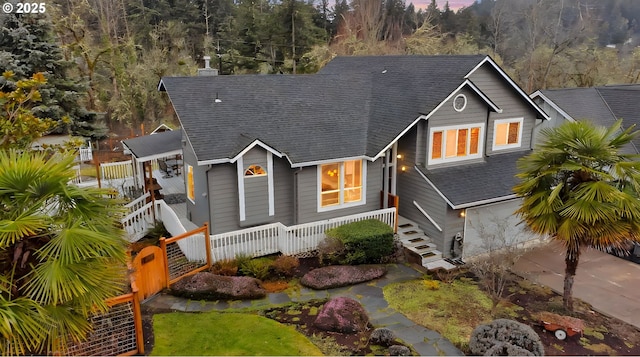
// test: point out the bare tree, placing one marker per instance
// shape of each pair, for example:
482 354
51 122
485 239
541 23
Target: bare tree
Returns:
502 249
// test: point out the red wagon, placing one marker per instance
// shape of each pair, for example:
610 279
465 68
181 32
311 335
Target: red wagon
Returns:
561 326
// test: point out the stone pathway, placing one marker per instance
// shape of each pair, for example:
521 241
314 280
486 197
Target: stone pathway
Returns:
425 342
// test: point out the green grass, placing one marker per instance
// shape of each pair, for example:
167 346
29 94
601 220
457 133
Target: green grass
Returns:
226 334
453 310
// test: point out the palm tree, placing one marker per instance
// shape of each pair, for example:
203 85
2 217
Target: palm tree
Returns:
62 253
578 188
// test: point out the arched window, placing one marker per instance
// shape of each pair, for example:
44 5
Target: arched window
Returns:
255 170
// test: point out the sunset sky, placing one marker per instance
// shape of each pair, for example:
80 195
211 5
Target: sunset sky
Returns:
453 4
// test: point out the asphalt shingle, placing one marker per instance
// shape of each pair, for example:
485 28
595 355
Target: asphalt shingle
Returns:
350 108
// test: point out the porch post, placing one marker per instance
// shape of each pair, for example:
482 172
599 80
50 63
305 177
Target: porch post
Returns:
394 167
385 184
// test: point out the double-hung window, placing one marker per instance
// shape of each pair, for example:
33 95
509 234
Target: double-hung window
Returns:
341 184
455 143
507 133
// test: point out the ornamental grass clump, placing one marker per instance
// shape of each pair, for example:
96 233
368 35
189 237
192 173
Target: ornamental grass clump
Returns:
362 242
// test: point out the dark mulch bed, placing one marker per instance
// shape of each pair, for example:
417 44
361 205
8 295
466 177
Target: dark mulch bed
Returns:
603 335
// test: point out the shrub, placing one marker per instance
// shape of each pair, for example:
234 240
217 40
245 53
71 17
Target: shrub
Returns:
504 337
431 284
364 242
399 350
330 250
227 267
258 268
382 336
158 230
286 265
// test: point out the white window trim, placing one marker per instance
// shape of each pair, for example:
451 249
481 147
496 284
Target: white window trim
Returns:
190 168
495 147
443 159
270 186
363 199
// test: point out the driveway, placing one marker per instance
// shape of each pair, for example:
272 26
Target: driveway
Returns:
610 284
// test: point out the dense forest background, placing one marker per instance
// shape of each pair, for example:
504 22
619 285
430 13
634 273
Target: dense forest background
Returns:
103 58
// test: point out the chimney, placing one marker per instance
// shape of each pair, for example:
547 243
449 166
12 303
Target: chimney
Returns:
207 70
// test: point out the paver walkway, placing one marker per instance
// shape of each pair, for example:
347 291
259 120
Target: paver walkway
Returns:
370 295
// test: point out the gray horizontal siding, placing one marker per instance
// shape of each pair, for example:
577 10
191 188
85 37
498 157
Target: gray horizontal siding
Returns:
475 112
511 103
223 198
412 187
197 211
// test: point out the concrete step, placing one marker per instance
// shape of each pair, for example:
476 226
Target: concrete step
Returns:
430 256
416 241
439 264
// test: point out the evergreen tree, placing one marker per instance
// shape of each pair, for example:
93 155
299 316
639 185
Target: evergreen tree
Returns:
28 47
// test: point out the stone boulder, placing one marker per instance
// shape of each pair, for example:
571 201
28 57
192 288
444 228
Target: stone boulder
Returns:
343 315
209 286
336 276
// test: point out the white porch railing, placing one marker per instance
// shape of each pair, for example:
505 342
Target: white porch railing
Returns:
116 170
140 218
85 154
277 237
253 242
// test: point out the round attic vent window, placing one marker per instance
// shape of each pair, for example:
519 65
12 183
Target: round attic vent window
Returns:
459 102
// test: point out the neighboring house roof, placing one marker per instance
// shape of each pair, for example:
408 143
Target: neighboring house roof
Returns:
476 184
353 107
154 146
601 105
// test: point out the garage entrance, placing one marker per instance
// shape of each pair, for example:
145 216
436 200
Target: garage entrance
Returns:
493 225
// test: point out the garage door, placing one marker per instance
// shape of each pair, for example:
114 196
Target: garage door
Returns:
493 225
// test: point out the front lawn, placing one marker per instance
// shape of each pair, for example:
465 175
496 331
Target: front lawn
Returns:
226 334
453 310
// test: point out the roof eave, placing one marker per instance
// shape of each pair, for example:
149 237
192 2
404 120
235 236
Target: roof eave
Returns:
504 75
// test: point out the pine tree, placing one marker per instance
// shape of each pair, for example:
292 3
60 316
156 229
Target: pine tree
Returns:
27 47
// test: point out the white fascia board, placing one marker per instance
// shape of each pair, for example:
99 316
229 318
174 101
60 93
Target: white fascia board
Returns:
158 156
213 162
467 82
493 105
395 140
538 94
331 161
485 202
511 82
434 187
161 86
251 146
464 205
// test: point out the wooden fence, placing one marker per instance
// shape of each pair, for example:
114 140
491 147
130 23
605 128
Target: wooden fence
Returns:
116 332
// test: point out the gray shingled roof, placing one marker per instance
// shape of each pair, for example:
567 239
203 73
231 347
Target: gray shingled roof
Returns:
350 108
156 144
473 183
601 105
